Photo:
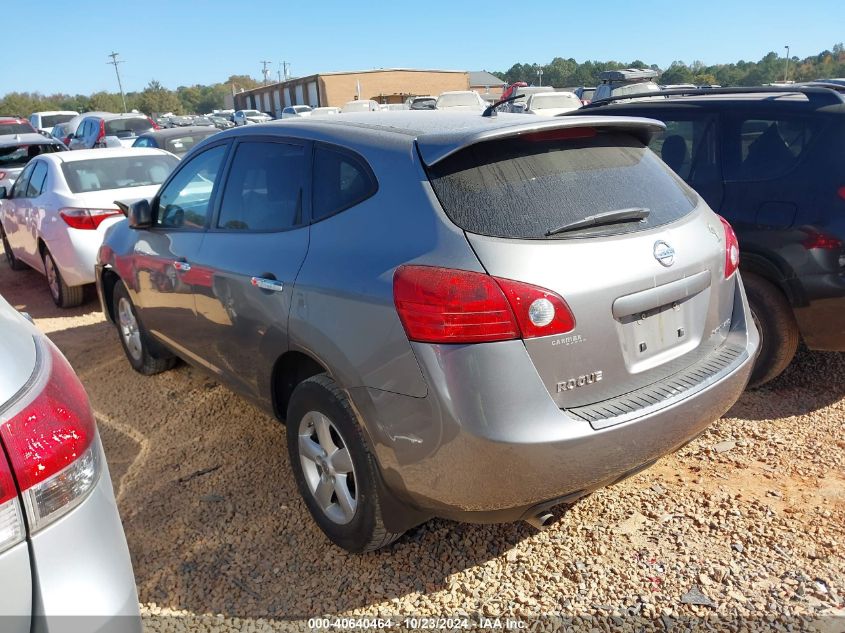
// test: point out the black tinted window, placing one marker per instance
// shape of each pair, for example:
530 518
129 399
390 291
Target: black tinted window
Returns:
52 120
16 128
264 188
764 149
184 202
688 147
523 187
341 180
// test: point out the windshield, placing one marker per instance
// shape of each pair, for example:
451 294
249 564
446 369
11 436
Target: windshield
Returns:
123 128
562 100
20 155
523 187
635 89
423 104
459 99
51 120
16 128
117 172
252 113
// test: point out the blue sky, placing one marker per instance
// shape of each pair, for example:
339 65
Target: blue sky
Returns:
183 43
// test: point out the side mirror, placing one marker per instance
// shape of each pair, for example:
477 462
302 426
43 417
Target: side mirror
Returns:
3 193
139 214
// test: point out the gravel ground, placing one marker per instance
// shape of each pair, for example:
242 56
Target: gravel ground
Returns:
741 530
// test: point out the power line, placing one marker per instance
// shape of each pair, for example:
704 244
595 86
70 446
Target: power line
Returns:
114 62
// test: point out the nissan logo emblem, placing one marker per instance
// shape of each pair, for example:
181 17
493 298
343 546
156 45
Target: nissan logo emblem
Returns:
664 253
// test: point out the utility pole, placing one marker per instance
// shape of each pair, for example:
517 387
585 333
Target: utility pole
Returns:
264 71
540 76
286 66
786 70
114 62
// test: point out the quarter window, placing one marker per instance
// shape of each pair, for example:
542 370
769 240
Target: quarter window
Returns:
768 148
184 202
264 188
341 180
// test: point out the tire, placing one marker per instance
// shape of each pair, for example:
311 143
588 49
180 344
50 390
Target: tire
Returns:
778 329
63 295
14 262
135 342
357 525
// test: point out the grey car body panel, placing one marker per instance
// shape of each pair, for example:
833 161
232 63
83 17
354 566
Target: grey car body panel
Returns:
90 576
17 352
475 431
16 590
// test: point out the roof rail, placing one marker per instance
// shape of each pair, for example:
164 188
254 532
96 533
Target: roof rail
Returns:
821 96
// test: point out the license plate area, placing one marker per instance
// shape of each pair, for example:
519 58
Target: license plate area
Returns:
657 335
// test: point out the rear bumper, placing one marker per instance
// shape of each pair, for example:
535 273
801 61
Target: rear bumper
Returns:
75 252
82 573
488 444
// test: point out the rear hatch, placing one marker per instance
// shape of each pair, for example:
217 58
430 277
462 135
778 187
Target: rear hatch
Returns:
649 296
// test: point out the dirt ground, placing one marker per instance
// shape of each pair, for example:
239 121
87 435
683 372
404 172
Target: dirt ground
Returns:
743 527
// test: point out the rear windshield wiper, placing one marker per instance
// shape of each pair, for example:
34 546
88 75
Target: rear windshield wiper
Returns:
632 214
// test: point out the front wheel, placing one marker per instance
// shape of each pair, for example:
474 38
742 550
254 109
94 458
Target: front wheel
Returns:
63 295
776 324
334 470
133 339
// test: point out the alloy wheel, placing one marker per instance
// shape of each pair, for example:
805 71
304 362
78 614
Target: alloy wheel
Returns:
328 468
129 331
52 277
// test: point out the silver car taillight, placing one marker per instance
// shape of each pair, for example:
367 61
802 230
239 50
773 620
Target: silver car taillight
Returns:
11 523
51 441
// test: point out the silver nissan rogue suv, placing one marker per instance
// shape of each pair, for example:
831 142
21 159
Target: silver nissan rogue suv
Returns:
456 315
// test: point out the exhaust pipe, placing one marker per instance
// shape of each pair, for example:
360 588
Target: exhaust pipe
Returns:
540 521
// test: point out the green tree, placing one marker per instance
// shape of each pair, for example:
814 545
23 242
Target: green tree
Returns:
157 99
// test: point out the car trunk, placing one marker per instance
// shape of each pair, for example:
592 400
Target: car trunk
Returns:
649 297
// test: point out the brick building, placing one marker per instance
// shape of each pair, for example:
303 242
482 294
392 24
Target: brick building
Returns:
390 85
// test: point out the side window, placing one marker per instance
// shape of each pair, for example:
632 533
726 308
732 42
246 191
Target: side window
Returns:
764 149
688 147
341 180
142 142
21 184
36 181
264 188
185 200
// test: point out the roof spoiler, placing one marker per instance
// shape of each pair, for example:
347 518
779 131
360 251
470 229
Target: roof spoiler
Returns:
435 147
821 96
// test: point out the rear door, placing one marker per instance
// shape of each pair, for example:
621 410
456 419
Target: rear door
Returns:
33 211
164 276
14 213
649 296
253 251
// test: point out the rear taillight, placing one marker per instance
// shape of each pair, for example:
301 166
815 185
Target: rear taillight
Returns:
87 219
11 522
49 437
101 136
731 249
443 305
841 192
66 140
153 123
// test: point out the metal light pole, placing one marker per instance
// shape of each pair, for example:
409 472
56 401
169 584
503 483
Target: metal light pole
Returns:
786 70
114 62
540 76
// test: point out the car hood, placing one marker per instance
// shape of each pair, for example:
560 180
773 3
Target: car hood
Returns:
17 352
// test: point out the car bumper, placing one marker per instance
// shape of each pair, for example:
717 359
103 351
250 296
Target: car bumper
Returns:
502 450
82 573
75 252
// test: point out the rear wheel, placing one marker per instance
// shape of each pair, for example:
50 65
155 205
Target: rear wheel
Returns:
135 342
14 262
778 329
334 470
63 295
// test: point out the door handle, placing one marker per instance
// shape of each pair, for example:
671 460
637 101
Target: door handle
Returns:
181 266
267 284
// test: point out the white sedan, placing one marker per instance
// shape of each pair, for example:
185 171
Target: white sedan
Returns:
55 216
552 103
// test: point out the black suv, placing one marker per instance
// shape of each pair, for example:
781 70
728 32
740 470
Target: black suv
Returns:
772 162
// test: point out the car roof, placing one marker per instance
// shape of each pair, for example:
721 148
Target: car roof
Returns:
50 112
28 138
104 153
437 134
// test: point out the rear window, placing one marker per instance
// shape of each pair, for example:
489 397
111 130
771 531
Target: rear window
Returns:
181 144
524 186
98 174
124 128
459 99
20 155
16 128
52 120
